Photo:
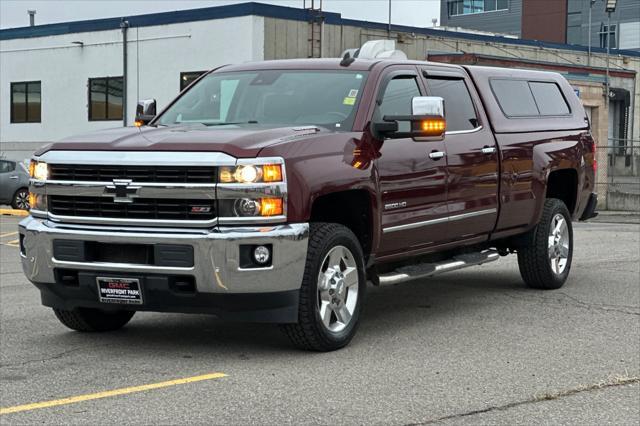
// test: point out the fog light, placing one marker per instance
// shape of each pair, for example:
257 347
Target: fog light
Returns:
261 254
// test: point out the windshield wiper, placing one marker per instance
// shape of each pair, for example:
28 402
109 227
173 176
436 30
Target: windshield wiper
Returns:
231 123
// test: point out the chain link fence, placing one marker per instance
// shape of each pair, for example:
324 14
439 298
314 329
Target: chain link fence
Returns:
618 178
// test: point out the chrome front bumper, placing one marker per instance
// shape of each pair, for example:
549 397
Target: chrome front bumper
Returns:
216 254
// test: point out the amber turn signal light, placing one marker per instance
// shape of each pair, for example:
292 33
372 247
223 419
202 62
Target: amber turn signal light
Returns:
433 126
271 207
138 123
272 173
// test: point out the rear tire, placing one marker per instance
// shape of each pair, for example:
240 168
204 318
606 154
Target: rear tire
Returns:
546 261
88 320
332 292
21 199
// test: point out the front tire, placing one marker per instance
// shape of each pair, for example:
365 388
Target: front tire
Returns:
332 292
546 260
88 320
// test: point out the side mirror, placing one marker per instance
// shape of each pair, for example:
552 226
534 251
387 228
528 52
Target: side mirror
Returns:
427 122
145 112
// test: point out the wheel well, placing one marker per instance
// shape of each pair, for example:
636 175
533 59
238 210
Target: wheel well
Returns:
349 208
563 185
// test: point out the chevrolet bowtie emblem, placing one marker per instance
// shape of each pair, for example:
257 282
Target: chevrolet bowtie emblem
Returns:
122 191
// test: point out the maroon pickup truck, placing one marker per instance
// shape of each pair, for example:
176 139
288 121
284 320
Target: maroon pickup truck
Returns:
275 191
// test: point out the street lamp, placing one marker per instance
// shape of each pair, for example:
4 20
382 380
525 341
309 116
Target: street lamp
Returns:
610 6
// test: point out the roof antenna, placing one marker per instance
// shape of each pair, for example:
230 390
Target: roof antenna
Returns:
347 59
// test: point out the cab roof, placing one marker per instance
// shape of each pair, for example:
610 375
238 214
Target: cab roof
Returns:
327 64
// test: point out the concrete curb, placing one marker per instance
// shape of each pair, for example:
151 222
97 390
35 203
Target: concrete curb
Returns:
13 212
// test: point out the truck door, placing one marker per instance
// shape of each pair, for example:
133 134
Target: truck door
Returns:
472 156
411 174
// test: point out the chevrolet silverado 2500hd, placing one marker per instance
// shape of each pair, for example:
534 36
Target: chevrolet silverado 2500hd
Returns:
274 191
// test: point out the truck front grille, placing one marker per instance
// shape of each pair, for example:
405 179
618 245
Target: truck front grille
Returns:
106 173
140 208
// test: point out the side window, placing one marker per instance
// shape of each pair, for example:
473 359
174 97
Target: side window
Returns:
521 98
515 97
459 109
548 98
397 99
7 166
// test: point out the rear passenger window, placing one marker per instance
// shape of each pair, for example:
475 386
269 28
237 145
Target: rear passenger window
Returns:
521 98
515 98
548 98
459 110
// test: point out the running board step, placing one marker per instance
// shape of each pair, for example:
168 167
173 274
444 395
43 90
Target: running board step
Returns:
423 270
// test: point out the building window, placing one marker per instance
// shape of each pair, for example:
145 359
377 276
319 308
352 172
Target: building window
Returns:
605 33
468 7
186 78
25 102
105 98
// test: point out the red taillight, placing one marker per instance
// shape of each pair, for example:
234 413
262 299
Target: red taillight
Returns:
593 151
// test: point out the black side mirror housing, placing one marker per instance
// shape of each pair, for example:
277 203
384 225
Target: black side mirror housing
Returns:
145 112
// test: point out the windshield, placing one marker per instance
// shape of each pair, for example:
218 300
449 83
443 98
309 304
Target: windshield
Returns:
271 97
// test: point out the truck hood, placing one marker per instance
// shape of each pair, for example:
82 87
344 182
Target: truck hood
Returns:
236 140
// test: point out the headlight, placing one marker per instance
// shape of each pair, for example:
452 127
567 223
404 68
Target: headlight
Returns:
251 174
38 170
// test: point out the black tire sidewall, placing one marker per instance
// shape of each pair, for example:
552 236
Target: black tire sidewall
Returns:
14 202
342 237
558 207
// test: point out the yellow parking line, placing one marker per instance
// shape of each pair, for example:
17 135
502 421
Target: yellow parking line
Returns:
107 394
8 234
14 212
13 243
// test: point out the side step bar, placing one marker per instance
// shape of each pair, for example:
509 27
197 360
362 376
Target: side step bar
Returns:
423 270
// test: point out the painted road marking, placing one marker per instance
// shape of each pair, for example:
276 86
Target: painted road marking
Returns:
14 212
13 243
8 234
107 394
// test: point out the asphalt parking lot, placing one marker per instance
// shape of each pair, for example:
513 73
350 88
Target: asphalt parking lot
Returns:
471 347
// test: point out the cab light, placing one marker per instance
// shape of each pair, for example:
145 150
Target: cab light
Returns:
38 170
271 207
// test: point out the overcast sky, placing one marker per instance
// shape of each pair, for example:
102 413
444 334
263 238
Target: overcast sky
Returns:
13 13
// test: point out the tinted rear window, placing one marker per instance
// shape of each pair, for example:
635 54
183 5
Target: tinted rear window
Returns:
548 98
521 98
515 98
459 109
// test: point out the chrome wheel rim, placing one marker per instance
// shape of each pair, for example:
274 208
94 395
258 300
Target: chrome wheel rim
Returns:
22 200
337 289
558 244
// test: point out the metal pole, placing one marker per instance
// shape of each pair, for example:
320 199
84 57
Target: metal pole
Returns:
124 25
589 33
608 50
389 26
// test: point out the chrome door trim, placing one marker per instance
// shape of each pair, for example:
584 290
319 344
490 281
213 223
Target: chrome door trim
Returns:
439 220
462 132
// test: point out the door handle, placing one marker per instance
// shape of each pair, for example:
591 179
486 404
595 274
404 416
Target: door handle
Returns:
436 155
489 150
13 177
